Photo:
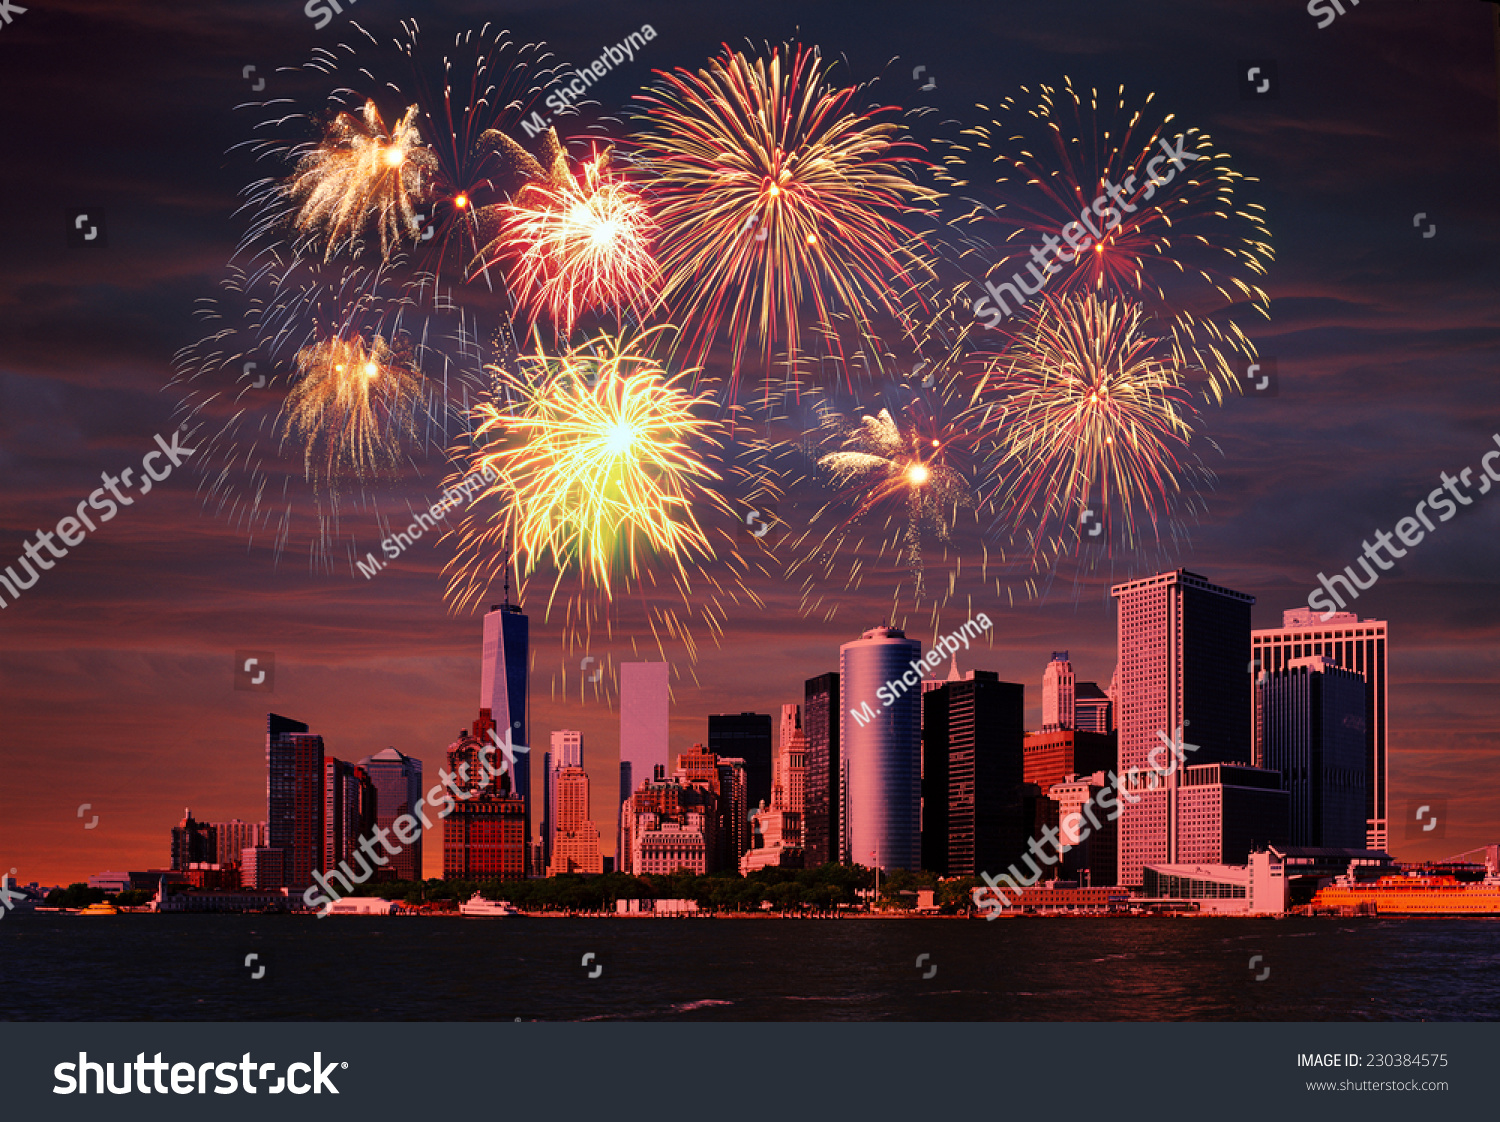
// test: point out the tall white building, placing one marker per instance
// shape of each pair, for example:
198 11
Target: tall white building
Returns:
1057 693
1352 644
644 715
881 748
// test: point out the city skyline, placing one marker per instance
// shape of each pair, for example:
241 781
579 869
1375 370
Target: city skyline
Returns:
296 732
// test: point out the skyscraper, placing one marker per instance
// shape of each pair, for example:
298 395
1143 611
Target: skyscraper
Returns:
1353 644
882 749
235 836
484 836
294 798
1057 693
504 689
777 829
1092 709
1184 645
733 816
397 779
194 842
575 848
820 729
567 751
1312 725
745 736
349 805
643 723
975 818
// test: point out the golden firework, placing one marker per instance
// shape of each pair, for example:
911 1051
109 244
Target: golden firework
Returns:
363 173
352 407
1088 412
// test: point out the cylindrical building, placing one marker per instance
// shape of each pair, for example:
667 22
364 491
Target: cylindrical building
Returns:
880 734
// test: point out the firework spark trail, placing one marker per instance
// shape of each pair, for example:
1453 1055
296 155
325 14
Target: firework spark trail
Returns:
580 244
768 188
1089 407
1186 248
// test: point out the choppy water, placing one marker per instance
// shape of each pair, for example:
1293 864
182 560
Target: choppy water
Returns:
142 967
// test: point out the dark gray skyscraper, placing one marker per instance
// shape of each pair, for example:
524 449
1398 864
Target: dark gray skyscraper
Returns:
974 816
820 726
397 779
880 739
1312 721
503 689
746 736
294 798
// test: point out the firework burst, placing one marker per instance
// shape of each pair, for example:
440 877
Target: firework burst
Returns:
1167 233
363 173
353 407
772 192
575 243
607 468
1088 412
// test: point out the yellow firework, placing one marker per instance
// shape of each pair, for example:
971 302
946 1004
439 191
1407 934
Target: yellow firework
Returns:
352 407
363 173
600 467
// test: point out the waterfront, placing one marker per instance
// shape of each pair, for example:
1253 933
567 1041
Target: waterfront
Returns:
140 967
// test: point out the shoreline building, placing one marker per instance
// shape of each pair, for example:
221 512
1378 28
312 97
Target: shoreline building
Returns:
1090 854
235 836
294 803
644 729
397 782
1184 644
822 797
349 805
193 843
575 847
974 811
567 751
504 690
1311 717
667 825
484 836
778 828
881 749
745 736
1351 644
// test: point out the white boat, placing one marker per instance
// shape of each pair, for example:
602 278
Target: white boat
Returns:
477 907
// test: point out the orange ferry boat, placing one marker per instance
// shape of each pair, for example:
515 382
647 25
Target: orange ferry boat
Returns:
1415 896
